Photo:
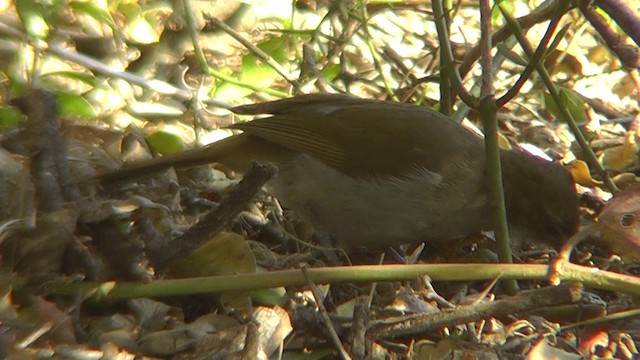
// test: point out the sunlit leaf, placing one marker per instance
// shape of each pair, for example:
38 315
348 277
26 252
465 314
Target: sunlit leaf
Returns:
155 109
496 15
156 12
137 27
581 175
94 10
76 105
31 14
255 71
140 31
74 75
227 91
165 143
331 72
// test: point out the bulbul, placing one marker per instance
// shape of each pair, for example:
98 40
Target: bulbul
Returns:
372 174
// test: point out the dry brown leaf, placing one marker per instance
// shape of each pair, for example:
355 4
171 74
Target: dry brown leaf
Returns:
580 172
621 157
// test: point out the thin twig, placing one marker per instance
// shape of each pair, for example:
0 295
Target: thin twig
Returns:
447 66
564 111
539 15
541 51
325 317
215 221
411 325
95 65
258 53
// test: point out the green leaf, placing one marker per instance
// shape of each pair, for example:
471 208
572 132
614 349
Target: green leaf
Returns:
94 10
255 71
506 5
31 13
136 26
568 100
228 91
496 15
273 296
83 77
511 55
140 31
165 143
331 72
76 105
10 117
560 36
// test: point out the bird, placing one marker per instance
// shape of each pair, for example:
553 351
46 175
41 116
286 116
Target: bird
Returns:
372 174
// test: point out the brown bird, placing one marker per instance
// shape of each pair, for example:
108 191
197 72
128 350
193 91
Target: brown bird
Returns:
374 174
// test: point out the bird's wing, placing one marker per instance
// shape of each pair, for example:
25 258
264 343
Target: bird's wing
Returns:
361 137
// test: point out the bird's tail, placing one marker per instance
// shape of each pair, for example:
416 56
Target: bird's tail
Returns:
209 154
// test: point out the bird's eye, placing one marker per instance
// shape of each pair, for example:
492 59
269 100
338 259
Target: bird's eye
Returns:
627 220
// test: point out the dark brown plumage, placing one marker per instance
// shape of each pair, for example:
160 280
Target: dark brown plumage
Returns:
372 173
